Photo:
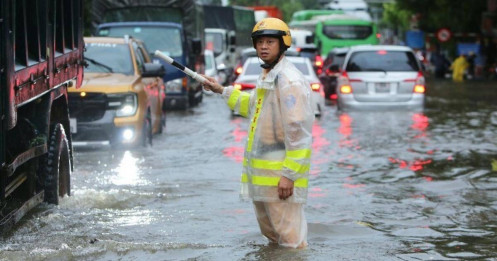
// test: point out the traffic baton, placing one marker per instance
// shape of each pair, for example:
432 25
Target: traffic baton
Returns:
181 67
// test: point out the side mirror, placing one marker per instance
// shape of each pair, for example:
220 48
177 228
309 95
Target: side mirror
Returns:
153 70
232 40
196 46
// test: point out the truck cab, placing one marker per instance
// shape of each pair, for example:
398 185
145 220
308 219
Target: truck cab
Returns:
170 39
222 43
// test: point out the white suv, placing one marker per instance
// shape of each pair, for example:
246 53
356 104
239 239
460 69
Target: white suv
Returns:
381 76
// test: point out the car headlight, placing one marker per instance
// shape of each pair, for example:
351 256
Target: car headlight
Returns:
124 104
174 85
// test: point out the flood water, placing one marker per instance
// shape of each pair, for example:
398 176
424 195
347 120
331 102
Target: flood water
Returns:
383 186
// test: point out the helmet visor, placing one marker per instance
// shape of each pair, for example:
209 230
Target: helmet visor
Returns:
268 33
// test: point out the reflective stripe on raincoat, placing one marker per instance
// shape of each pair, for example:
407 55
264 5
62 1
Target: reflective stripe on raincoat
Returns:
280 133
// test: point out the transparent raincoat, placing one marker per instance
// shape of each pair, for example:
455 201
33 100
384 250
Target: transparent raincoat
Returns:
280 133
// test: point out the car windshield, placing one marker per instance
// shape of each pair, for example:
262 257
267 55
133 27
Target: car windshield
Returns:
214 42
108 57
347 31
254 68
381 60
164 39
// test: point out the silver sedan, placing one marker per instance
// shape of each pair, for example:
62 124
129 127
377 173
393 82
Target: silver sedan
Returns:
381 76
247 80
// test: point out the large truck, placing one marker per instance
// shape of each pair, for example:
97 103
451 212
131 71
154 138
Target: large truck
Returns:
262 12
227 33
41 56
174 27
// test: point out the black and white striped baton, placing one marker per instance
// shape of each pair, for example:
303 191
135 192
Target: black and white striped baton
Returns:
181 67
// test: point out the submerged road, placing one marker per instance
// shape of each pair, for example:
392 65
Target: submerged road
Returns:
384 186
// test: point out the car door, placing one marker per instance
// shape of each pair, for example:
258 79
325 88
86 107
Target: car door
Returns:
152 87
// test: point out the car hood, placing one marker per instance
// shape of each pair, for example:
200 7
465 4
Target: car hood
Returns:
107 82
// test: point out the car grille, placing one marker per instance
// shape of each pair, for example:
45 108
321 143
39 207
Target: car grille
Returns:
88 108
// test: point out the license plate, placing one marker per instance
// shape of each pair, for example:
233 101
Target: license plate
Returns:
73 123
382 87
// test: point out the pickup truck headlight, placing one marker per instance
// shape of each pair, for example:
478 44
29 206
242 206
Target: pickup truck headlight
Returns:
124 104
174 85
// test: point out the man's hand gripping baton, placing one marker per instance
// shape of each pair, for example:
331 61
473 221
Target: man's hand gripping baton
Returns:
180 67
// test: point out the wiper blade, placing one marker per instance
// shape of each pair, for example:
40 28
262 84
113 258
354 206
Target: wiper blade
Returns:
376 70
99 64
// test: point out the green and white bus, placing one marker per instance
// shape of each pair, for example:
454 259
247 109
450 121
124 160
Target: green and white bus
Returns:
342 31
336 30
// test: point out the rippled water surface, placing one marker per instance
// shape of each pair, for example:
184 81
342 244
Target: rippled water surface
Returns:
384 186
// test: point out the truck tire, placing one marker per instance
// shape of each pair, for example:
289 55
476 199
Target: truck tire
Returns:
57 181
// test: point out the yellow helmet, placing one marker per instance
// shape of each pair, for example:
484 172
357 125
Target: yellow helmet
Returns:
272 27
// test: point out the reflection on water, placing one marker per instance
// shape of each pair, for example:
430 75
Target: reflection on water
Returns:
390 185
127 173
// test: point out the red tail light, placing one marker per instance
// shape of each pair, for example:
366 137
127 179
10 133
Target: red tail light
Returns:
345 89
319 62
243 86
238 70
419 83
344 81
316 87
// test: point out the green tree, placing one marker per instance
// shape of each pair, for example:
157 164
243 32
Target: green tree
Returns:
459 16
393 16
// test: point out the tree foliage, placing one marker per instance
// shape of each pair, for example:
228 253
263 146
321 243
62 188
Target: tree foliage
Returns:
459 16
394 16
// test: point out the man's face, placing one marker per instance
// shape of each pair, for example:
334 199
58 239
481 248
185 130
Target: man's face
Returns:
267 48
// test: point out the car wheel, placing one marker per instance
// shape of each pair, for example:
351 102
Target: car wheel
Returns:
320 111
57 182
147 131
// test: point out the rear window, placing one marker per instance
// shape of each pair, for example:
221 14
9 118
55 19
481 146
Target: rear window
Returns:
381 60
335 59
310 55
253 69
302 67
350 32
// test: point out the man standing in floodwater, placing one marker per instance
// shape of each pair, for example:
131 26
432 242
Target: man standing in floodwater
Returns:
278 149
